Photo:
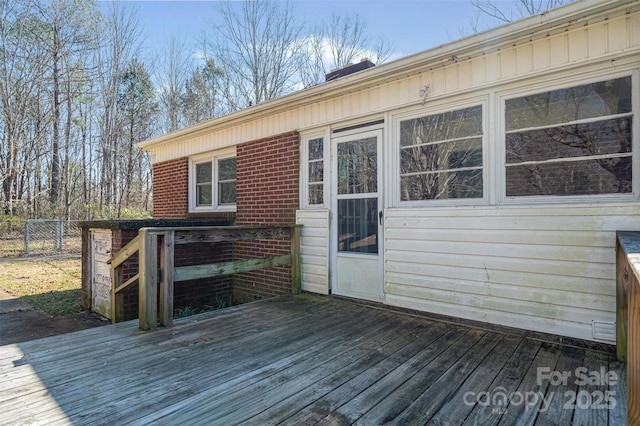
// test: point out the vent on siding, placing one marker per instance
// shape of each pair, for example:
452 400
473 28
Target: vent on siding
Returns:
358 126
603 330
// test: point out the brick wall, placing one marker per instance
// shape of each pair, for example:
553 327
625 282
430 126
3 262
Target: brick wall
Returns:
268 194
171 189
171 201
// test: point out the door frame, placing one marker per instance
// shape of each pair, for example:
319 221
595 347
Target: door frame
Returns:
377 131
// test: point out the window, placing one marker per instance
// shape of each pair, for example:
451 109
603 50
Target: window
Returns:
227 181
573 141
357 195
204 181
213 183
441 156
315 171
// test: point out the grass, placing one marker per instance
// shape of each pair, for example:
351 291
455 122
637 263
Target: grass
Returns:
51 285
188 311
11 247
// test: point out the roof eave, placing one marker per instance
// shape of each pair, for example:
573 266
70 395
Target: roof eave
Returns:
492 38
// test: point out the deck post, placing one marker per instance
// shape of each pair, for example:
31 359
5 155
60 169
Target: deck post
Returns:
148 283
166 282
633 354
622 308
628 316
296 273
117 299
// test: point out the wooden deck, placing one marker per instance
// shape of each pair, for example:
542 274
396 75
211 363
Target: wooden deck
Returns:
304 360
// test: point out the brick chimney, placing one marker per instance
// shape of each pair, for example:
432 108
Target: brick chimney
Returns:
349 69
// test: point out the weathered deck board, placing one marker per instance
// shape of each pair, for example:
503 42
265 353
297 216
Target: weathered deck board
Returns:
296 360
552 411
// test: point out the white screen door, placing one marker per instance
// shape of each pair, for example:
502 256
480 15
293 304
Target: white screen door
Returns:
357 207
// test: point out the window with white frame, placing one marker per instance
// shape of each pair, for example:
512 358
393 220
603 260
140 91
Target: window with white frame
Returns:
441 156
315 171
571 141
213 183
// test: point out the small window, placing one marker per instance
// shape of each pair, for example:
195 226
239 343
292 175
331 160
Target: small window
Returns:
227 181
204 184
441 156
574 141
315 172
213 183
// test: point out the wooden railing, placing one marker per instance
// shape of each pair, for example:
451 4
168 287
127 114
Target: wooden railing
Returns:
628 317
150 274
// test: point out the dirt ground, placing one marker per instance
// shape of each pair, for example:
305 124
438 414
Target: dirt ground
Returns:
20 322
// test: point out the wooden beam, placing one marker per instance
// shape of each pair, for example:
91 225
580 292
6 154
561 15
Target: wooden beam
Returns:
126 252
230 234
116 299
166 282
296 274
131 281
622 286
118 308
185 273
633 354
148 286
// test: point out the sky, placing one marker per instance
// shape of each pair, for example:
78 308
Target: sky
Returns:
411 25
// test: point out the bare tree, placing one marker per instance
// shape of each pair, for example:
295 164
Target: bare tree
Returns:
137 102
490 13
121 40
68 37
523 8
175 68
348 42
345 36
258 47
339 41
66 133
21 67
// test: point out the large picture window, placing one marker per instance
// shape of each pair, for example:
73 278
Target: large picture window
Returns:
574 141
441 156
213 183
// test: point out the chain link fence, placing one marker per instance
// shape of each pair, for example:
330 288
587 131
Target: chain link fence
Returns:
52 237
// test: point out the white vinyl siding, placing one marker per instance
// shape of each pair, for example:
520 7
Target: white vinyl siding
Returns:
314 249
547 269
